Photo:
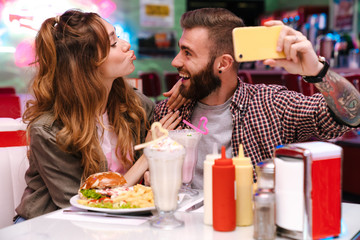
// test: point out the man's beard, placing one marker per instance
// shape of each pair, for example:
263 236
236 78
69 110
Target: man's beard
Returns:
202 83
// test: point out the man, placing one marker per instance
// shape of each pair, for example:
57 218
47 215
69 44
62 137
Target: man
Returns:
260 117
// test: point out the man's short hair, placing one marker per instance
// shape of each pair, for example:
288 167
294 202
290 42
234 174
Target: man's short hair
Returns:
220 22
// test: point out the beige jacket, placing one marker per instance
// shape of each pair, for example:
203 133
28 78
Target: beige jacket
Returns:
54 176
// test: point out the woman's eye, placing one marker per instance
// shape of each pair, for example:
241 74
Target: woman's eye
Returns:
114 44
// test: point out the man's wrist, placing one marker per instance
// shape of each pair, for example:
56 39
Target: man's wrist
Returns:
320 67
319 77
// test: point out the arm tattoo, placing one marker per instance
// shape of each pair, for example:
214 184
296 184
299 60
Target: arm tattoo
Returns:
342 97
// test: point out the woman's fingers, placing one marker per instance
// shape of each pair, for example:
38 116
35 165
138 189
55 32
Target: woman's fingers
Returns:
174 96
179 101
173 124
170 120
166 117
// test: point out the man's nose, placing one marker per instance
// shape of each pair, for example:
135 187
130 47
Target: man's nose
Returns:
176 62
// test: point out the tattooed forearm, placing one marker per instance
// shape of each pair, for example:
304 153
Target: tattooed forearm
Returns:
342 97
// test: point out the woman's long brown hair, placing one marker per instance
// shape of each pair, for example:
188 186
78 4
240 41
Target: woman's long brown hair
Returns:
67 84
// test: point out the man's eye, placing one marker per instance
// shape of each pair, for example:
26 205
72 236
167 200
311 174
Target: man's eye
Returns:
187 53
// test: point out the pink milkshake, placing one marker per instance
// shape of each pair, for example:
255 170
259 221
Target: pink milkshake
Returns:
189 139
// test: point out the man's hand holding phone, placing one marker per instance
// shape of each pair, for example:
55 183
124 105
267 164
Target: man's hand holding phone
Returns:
300 55
277 45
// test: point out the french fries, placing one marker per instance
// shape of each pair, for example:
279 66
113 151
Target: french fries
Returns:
140 196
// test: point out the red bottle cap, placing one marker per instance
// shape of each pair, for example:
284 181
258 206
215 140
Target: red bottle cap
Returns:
223 160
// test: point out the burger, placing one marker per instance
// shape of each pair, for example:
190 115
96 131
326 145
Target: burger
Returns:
97 184
108 190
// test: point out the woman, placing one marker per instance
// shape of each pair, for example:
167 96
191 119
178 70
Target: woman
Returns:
84 118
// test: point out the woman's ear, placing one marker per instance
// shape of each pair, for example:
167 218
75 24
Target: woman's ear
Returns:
224 63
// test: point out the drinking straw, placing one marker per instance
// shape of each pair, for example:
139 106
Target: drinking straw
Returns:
215 150
155 138
202 119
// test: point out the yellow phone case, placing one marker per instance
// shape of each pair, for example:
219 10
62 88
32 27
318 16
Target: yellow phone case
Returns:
256 43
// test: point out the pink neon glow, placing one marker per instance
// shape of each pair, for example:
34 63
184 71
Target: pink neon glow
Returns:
106 7
24 54
30 18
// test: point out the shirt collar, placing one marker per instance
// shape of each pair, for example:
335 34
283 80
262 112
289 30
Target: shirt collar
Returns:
241 97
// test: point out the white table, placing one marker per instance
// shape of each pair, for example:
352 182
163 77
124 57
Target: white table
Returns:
49 227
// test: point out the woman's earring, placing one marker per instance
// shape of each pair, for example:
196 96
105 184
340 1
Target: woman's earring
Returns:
220 71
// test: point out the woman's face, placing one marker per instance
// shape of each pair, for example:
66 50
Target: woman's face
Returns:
119 62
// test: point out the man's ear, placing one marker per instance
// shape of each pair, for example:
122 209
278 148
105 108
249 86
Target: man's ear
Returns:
224 63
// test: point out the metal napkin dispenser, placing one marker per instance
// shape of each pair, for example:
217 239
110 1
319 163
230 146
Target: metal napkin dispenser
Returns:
308 190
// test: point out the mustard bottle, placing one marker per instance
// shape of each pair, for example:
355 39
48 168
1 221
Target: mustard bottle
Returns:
244 183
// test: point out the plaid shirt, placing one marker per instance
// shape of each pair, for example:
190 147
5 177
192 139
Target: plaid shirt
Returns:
266 116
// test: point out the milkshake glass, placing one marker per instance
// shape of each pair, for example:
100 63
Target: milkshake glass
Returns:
165 159
189 138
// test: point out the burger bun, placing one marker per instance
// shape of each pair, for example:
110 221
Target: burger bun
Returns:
104 180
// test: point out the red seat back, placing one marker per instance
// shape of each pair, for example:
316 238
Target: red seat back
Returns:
7 90
296 83
245 76
292 82
151 84
308 89
171 79
267 77
10 106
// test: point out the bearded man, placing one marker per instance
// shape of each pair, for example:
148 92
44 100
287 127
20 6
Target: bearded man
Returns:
260 117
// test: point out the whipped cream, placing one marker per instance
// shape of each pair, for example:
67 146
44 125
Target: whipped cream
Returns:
165 144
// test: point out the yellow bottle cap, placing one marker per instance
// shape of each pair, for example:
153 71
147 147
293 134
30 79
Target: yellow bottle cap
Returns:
241 159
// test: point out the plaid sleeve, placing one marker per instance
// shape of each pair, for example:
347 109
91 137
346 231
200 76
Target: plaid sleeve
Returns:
305 116
160 110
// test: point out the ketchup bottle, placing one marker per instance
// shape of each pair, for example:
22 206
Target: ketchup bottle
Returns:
224 205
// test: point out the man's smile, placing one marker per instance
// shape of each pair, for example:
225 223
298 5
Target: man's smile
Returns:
184 77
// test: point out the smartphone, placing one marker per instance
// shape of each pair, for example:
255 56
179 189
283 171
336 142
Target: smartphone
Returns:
256 43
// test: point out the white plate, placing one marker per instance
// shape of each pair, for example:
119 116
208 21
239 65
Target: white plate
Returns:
73 202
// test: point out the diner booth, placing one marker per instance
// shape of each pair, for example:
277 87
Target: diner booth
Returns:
153 30
13 164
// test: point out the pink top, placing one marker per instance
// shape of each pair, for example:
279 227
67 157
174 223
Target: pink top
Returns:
108 142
